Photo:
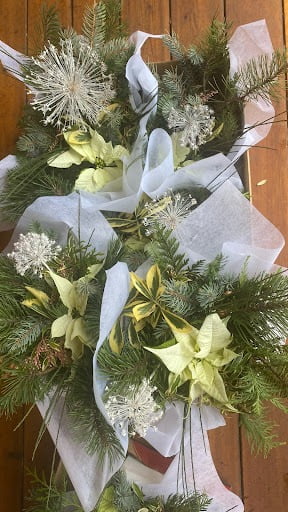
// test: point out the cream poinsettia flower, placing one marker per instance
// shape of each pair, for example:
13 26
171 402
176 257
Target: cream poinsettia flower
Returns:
107 160
196 357
70 325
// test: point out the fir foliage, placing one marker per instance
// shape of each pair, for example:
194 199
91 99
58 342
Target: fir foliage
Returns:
47 29
164 251
30 179
90 427
123 370
259 77
48 497
36 138
102 22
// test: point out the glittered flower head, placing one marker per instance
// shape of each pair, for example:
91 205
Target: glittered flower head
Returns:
69 84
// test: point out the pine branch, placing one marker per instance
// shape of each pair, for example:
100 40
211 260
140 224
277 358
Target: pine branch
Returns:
173 44
94 21
32 178
122 370
47 29
89 426
24 336
259 77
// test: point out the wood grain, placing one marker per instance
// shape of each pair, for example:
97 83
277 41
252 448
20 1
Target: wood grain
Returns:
152 17
191 19
12 93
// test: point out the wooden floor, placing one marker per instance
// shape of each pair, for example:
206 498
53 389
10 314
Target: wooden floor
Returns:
263 484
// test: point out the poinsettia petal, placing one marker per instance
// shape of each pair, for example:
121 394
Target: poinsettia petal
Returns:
64 288
65 159
175 358
59 326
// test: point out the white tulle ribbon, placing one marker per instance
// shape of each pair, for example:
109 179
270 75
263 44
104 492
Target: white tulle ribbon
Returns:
228 223
64 214
7 163
250 41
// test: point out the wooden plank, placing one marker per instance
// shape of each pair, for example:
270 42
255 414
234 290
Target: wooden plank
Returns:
12 94
225 449
78 8
11 464
265 481
189 20
64 8
152 17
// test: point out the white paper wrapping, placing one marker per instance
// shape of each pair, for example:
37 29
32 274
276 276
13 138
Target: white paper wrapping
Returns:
228 223
7 163
200 472
12 60
71 213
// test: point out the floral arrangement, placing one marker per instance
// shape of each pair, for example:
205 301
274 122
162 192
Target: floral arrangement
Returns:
139 300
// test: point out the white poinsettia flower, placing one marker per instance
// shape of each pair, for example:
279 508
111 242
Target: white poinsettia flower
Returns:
107 160
196 357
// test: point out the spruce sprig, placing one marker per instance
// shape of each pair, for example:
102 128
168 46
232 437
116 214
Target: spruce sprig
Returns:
164 251
259 77
89 426
47 29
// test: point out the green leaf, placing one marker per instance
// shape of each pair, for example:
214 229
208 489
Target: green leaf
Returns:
140 285
41 297
65 289
153 280
176 322
106 503
116 339
143 310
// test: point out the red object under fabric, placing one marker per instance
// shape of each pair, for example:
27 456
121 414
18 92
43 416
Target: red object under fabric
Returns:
149 456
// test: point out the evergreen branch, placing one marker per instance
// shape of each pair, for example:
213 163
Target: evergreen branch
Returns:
259 77
32 178
173 44
94 21
89 426
26 334
47 496
163 250
123 370
19 386
47 29
260 433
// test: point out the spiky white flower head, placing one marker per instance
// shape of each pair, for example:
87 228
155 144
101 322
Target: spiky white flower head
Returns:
69 84
137 409
174 210
195 120
33 251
